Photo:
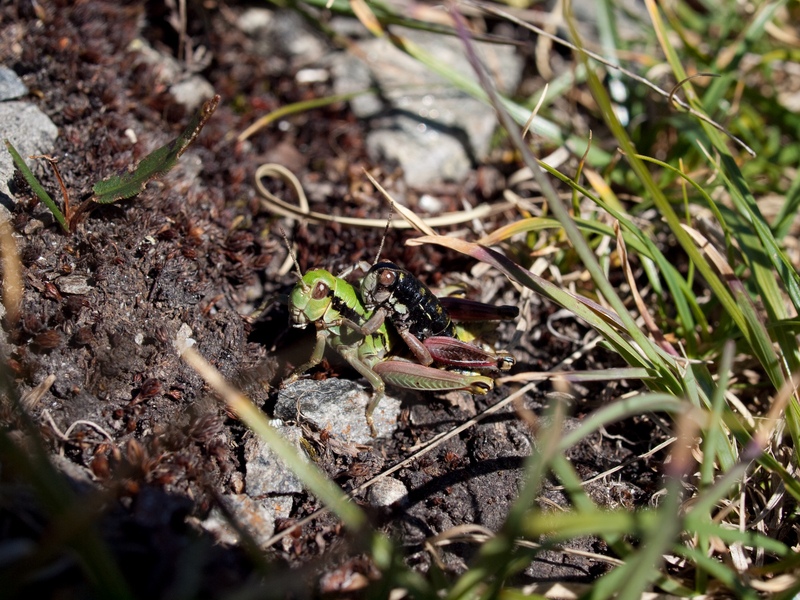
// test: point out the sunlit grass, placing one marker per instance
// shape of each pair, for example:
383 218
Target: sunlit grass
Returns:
706 320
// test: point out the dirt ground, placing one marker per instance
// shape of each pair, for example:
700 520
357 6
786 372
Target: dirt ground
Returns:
125 417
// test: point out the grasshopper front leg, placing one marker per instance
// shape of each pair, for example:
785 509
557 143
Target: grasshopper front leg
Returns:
314 359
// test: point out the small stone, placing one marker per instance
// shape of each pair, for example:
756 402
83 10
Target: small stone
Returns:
312 75
265 473
192 92
30 131
74 284
253 20
11 85
183 339
256 517
430 204
283 37
167 69
338 406
387 491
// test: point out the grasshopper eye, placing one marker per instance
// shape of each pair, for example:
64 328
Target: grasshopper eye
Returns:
387 278
320 290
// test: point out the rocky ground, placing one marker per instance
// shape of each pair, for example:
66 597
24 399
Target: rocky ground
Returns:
97 85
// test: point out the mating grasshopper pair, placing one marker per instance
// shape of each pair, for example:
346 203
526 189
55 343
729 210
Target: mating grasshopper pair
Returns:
357 330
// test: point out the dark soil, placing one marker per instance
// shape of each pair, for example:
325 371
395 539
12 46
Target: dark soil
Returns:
131 426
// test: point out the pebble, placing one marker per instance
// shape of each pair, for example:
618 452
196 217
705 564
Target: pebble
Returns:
283 38
265 472
187 89
386 492
192 92
74 284
30 131
11 86
256 517
337 405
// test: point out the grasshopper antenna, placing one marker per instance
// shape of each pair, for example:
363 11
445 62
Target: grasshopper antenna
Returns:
385 233
291 252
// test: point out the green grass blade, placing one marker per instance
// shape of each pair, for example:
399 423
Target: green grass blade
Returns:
620 410
715 435
156 163
560 526
300 107
736 305
788 211
36 186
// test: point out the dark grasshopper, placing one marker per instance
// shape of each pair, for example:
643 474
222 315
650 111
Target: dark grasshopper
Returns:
335 308
425 322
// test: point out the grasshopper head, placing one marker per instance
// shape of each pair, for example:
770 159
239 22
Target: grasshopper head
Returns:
311 297
379 284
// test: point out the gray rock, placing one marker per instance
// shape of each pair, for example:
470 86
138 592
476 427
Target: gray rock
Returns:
31 131
255 21
255 517
11 85
337 405
387 491
432 129
266 474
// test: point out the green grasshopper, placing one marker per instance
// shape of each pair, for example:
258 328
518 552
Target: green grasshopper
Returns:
333 305
425 322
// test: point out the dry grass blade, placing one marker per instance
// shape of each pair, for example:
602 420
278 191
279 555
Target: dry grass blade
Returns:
535 112
12 274
407 214
367 17
302 210
657 334
30 401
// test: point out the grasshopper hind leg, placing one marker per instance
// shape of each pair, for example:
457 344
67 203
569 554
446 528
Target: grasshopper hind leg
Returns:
414 376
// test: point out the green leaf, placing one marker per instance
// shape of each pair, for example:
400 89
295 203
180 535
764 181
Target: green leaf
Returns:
36 186
156 163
